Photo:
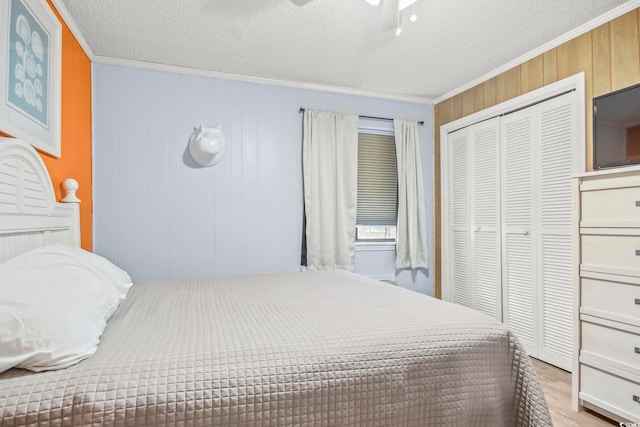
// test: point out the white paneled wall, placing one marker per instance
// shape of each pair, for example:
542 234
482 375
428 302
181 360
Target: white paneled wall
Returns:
160 217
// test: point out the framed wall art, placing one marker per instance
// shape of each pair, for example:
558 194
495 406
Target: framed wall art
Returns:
30 73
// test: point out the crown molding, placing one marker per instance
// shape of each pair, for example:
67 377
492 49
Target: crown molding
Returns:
71 23
75 30
261 80
578 31
594 23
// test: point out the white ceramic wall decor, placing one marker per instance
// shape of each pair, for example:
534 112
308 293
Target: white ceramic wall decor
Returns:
207 144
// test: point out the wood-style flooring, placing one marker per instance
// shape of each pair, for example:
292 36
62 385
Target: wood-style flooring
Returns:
556 385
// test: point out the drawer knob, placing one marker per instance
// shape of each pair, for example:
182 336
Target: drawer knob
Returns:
637 301
636 398
638 203
637 252
637 350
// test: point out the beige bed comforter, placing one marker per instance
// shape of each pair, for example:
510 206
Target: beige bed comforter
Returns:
318 348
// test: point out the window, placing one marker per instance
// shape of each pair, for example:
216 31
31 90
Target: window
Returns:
377 187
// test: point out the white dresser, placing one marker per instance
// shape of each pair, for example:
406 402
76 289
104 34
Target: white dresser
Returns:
607 288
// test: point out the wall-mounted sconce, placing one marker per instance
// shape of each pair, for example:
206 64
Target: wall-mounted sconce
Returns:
206 145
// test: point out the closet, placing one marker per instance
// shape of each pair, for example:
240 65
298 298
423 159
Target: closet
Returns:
507 220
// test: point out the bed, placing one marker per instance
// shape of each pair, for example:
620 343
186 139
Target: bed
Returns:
323 348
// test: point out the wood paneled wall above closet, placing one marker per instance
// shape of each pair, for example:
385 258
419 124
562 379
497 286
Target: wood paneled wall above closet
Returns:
609 55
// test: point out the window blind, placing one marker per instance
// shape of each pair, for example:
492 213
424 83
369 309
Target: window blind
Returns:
377 180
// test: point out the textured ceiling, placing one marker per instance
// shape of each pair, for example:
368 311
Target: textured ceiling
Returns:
331 42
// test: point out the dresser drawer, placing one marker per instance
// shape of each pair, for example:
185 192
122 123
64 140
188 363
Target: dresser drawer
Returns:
621 252
615 204
612 300
620 395
621 347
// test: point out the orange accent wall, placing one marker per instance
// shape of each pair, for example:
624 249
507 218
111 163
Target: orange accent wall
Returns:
75 159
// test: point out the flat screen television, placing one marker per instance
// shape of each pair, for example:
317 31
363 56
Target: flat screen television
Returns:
616 128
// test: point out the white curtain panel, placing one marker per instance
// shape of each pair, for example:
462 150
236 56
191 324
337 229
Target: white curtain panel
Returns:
330 165
411 238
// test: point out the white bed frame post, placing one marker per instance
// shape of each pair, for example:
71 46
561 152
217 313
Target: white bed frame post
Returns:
69 188
29 214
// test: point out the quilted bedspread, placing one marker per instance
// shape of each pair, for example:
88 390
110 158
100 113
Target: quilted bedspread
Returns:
320 348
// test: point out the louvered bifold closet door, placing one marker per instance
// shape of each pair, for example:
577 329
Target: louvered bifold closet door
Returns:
538 146
485 220
519 259
557 144
459 158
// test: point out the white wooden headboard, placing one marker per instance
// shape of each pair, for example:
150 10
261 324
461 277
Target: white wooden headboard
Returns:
29 214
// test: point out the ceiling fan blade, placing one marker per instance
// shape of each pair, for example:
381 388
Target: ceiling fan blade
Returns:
389 14
301 2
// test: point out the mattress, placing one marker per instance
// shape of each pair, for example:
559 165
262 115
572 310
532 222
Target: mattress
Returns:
323 348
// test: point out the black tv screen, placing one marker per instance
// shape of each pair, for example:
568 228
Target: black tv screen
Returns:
616 128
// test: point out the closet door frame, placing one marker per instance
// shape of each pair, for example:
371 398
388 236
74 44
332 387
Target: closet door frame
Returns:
575 82
530 101
525 222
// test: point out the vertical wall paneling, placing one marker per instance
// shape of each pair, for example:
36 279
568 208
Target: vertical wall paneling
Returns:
601 45
508 85
446 111
106 202
573 57
222 262
458 106
269 166
489 89
550 64
478 98
468 102
625 65
249 217
236 148
196 105
291 193
132 161
608 55
209 183
156 115
160 216
532 74
176 140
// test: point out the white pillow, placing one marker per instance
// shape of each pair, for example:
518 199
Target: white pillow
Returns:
54 305
101 266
